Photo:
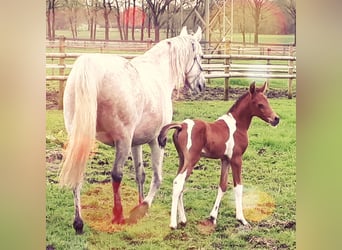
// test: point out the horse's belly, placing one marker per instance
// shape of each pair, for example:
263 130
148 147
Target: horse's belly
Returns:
105 138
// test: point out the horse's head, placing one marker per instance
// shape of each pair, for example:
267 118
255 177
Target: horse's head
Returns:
260 105
194 77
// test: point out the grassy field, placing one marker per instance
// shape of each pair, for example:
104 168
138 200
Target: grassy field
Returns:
269 172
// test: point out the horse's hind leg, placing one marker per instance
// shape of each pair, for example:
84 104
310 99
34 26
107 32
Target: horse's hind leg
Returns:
122 151
78 222
157 160
139 170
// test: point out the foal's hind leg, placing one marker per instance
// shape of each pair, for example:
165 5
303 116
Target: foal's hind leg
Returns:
122 151
78 222
139 170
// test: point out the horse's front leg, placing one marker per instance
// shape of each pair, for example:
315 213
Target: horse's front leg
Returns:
122 151
78 222
221 189
236 164
139 170
157 161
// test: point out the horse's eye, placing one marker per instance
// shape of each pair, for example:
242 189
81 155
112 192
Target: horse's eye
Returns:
260 106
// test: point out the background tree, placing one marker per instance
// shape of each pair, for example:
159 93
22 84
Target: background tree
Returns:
92 6
72 7
257 7
157 9
50 18
289 6
107 9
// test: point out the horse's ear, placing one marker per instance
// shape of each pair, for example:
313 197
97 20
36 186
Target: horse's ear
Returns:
252 88
198 34
184 31
264 87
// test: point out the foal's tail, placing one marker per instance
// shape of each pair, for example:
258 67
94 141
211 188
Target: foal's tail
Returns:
164 130
80 112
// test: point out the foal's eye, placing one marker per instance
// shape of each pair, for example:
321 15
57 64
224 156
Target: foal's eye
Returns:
260 106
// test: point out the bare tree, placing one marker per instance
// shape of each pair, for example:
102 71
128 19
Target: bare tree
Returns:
50 18
72 7
290 7
256 8
118 18
142 21
93 6
107 8
157 8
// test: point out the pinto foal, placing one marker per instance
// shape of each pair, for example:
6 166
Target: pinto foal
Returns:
224 139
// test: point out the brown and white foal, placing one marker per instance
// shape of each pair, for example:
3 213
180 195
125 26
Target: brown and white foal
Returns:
224 139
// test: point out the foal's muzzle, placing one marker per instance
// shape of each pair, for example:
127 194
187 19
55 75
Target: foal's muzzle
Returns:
275 121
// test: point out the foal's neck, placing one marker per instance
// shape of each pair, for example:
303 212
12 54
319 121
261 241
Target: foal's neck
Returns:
241 112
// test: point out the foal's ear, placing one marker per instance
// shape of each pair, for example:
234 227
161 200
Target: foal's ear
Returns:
264 87
252 88
198 34
184 31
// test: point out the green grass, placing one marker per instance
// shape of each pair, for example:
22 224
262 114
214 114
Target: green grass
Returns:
269 166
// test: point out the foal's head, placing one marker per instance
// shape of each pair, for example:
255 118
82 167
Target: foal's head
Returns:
260 106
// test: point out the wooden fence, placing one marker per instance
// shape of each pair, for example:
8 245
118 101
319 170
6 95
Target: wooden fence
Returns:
224 66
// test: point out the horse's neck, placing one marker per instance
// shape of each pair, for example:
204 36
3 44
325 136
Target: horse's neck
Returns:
155 63
241 113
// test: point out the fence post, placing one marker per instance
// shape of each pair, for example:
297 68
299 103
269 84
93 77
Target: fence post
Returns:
290 63
61 72
226 79
268 63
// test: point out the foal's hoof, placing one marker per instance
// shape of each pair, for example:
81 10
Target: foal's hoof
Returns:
78 226
206 226
244 224
182 224
137 213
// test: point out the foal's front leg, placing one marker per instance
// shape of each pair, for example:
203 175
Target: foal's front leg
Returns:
238 189
221 189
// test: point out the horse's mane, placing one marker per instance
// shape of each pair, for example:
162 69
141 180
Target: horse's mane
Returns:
181 49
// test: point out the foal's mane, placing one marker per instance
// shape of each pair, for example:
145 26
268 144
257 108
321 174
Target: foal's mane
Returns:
241 98
238 101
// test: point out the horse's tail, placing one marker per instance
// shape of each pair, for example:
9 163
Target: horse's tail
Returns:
80 107
163 133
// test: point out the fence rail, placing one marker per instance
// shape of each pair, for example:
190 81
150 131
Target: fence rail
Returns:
224 66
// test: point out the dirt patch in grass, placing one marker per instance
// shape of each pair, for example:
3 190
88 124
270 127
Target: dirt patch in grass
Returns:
215 93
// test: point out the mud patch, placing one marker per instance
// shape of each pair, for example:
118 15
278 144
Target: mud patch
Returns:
97 205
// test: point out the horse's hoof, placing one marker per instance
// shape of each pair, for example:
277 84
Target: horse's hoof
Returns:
78 226
137 213
118 220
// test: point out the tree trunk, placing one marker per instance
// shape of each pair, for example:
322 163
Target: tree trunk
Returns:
142 21
133 21
118 19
